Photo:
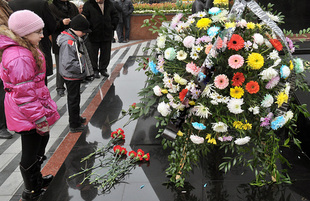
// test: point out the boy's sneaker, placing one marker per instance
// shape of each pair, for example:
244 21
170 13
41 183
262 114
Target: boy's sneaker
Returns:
77 129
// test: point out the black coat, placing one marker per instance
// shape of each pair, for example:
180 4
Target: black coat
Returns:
124 8
41 8
102 25
61 10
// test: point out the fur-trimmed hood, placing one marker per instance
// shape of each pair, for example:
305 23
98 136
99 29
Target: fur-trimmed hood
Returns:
8 38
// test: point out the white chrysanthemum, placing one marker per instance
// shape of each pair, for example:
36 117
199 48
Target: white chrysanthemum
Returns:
202 111
157 91
254 110
269 73
268 101
273 17
178 38
207 90
214 102
201 14
181 55
190 20
258 38
168 82
197 48
242 23
191 85
288 116
274 55
194 55
161 40
242 141
196 139
164 109
234 105
219 127
170 97
174 88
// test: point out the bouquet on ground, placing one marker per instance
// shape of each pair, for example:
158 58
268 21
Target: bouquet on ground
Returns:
231 76
114 165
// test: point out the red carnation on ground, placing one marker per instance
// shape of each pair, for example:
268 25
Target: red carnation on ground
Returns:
119 133
146 156
140 152
276 44
252 87
182 94
236 42
238 79
132 154
117 149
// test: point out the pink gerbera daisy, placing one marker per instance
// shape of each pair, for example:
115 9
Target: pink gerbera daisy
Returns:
235 61
221 81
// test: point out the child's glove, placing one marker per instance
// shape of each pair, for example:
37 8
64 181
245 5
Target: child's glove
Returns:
42 128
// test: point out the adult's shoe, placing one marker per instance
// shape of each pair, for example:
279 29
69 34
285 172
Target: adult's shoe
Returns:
104 73
4 134
127 40
96 74
77 129
82 120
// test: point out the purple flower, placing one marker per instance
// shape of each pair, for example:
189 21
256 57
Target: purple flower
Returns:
204 39
273 82
290 44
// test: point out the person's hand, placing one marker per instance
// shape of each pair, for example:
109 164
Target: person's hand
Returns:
66 21
43 128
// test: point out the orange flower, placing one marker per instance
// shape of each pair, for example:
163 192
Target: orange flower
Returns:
182 94
236 42
252 87
238 79
276 44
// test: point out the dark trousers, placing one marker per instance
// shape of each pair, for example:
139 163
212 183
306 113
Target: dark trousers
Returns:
104 57
73 100
120 29
33 146
2 114
59 79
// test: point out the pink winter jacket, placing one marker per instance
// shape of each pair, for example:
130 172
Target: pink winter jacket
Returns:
27 99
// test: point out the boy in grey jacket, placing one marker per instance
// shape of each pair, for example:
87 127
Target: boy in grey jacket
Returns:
73 65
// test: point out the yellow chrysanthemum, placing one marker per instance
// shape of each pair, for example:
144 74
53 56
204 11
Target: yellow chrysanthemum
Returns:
164 91
255 61
230 25
258 25
236 92
180 133
238 124
203 23
208 136
212 141
191 102
250 25
282 98
220 2
291 65
247 126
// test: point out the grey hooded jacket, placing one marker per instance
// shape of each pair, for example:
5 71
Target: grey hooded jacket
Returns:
73 61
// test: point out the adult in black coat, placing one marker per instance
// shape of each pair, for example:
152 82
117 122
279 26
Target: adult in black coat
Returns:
201 5
63 11
41 8
125 9
103 19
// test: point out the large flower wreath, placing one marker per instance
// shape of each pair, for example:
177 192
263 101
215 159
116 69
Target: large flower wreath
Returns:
222 80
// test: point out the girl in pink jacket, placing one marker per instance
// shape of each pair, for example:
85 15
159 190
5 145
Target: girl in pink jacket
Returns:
29 108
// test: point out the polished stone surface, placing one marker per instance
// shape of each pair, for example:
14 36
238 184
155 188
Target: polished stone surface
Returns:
148 181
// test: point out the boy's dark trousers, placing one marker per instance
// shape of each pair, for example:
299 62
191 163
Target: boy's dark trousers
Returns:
73 99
